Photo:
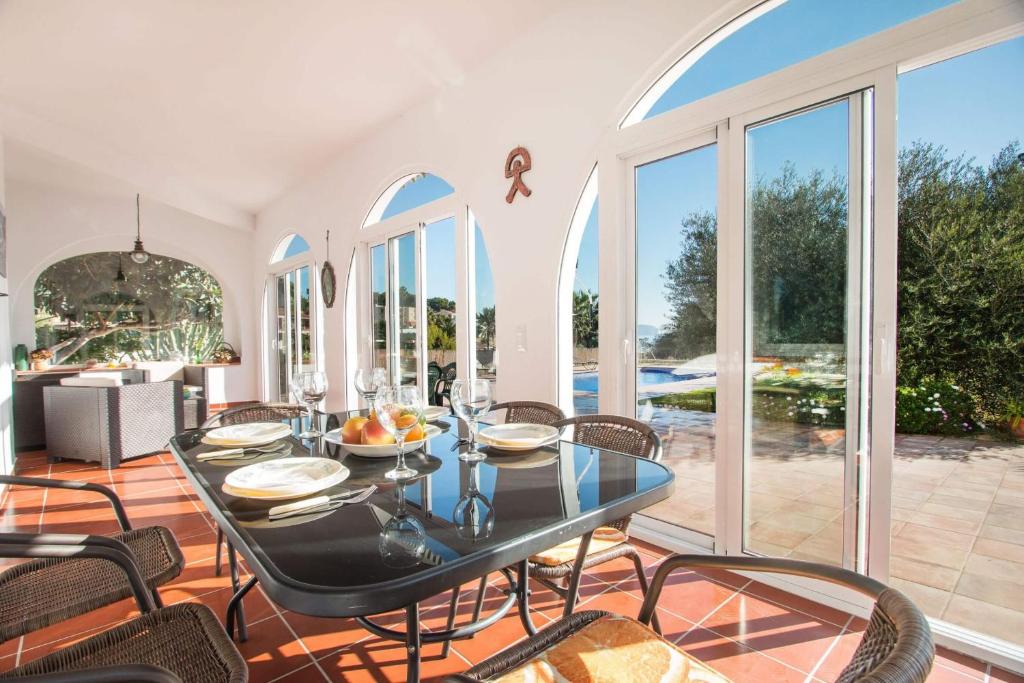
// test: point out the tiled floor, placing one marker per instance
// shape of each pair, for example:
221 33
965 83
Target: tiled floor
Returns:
746 630
958 510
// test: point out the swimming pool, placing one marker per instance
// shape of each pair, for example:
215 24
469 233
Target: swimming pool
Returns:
587 381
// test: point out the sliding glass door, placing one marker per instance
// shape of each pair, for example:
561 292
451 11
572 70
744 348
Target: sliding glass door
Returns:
293 334
804 277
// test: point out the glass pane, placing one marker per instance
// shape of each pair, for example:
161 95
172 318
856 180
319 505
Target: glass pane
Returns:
792 32
283 336
486 327
676 291
292 245
293 342
305 359
958 470
797 273
584 320
378 305
440 294
403 254
421 189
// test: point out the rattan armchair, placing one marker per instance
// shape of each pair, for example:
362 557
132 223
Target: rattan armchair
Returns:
43 592
184 642
896 647
259 412
536 412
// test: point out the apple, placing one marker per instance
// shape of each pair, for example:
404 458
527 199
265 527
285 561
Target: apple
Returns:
352 430
374 434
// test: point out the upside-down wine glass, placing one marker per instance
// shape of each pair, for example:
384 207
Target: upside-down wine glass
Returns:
369 382
470 399
310 387
399 409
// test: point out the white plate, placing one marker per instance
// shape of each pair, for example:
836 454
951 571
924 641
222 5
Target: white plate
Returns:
249 434
432 413
385 451
518 436
285 478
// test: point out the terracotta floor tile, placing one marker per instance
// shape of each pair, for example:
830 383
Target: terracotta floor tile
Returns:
734 660
1000 676
692 596
815 609
271 650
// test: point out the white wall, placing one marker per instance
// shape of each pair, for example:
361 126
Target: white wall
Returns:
6 364
555 91
56 211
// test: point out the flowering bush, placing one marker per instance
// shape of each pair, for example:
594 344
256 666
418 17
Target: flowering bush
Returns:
934 407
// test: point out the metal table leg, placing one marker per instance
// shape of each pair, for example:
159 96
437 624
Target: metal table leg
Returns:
412 643
523 595
243 632
235 605
573 591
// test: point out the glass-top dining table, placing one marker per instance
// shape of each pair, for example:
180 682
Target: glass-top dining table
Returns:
453 523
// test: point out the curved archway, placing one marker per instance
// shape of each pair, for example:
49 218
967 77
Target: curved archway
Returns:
292 315
103 306
406 193
289 246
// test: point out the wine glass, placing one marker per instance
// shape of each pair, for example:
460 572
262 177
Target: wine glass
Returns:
309 388
470 399
369 382
399 409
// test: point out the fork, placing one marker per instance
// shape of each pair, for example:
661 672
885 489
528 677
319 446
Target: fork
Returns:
243 453
321 503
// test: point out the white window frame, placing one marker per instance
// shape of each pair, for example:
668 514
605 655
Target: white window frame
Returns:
270 390
871 62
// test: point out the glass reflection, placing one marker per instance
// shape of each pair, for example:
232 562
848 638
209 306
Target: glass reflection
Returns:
474 513
403 539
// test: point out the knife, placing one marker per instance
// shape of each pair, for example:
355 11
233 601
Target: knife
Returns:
320 503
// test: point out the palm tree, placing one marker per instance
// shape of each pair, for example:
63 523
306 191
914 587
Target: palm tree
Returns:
485 329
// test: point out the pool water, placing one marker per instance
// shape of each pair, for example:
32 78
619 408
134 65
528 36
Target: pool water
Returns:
587 381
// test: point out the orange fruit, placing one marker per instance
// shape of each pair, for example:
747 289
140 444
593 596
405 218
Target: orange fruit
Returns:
406 421
416 434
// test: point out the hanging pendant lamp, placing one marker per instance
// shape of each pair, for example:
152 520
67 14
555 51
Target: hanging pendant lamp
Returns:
139 253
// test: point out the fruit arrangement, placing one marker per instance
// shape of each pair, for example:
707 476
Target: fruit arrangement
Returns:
368 431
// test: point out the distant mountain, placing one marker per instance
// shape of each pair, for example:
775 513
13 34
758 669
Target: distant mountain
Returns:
647 331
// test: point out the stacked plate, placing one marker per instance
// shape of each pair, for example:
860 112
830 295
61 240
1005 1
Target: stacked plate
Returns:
246 435
518 436
284 478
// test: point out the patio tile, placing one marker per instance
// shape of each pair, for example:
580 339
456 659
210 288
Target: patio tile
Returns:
932 601
1000 533
999 549
996 568
981 616
944 522
932 552
928 574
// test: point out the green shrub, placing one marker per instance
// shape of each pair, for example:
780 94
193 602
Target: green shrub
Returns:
934 407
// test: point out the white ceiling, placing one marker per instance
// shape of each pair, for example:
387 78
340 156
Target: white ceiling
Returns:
219 106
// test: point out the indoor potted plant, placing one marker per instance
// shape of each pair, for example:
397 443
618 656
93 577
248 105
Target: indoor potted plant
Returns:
41 359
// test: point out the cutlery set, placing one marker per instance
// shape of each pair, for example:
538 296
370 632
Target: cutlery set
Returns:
246 453
321 503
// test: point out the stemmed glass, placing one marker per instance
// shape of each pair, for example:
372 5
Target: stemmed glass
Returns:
399 409
309 387
369 382
470 399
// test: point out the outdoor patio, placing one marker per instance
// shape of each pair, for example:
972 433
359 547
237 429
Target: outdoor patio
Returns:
958 511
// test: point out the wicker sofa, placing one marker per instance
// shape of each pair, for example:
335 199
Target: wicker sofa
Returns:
108 424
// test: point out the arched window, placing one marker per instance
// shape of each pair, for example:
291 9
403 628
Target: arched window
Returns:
103 306
769 37
290 246
406 193
293 315
578 307
429 302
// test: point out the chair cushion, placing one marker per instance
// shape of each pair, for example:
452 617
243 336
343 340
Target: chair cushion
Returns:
613 649
91 382
604 537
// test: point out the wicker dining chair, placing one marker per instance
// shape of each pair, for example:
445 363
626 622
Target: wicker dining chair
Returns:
258 412
184 642
896 647
536 412
43 592
613 433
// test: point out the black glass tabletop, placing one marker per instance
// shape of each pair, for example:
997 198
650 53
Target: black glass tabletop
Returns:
454 522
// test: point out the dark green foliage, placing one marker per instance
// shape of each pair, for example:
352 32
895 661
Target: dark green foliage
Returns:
584 319
164 307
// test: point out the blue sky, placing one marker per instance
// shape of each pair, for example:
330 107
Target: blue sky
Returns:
971 104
